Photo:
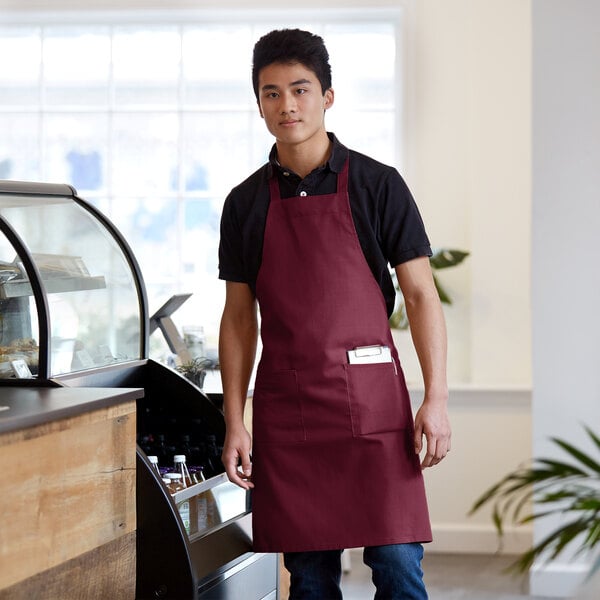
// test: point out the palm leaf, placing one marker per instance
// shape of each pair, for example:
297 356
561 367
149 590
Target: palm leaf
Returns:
554 543
561 469
578 454
593 436
565 489
442 258
442 293
445 257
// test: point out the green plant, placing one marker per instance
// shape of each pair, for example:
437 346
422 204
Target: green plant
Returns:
569 489
195 370
440 259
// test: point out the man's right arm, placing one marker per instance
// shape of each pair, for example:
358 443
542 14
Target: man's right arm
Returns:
237 349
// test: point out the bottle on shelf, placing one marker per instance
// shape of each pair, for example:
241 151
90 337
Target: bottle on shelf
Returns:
180 467
197 474
207 506
154 462
187 508
175 482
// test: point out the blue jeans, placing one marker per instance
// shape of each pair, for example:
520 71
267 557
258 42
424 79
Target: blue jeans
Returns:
396 568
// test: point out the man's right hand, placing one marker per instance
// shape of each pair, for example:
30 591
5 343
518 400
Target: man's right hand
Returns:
236 457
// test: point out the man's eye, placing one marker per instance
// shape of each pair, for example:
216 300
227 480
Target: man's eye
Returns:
300 91
272 95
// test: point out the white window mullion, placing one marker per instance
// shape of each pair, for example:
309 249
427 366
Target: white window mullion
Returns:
180 162
42 110
108 184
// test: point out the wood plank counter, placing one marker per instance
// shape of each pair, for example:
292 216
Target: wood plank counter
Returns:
67 507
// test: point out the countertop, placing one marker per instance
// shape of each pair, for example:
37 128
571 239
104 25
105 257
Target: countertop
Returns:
22 407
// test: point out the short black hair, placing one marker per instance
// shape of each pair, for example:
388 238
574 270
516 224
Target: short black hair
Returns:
288 46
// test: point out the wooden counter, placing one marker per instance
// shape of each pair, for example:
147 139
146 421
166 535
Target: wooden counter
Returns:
67 506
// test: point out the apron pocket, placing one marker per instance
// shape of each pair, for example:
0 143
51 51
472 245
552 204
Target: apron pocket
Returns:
376 398
276 408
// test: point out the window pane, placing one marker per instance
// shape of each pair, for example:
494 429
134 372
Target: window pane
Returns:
216 146
20 65
201 218
19 146
371 53
372 133
146 65
212 70
76 65
145 155
150 227
75 148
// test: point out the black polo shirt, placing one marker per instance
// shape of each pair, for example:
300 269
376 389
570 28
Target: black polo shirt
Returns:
389 227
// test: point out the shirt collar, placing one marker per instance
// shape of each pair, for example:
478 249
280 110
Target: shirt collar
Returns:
336 161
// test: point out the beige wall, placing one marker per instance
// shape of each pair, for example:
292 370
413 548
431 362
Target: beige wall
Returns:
472 175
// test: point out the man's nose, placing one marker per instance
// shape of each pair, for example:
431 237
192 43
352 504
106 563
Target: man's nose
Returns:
288 104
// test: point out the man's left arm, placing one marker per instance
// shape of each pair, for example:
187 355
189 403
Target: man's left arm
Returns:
428 330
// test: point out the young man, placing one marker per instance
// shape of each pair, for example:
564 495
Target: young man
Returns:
333 460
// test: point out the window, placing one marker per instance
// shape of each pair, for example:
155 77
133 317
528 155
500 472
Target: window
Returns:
153 120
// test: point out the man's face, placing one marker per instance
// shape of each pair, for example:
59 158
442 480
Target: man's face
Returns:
291 102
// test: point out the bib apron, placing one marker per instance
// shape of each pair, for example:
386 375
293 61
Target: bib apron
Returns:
333 459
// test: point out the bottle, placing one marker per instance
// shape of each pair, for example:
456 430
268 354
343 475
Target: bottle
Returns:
154 462
167 483
180 467
184 513
175 483
197 474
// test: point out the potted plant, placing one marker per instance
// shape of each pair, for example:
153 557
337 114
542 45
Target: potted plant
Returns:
195 370
569 488
442 258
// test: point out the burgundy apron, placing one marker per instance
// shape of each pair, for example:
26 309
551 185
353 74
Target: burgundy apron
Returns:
333 458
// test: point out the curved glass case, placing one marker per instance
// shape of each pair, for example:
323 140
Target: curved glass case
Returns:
71 293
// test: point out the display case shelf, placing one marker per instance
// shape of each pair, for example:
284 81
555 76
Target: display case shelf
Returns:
22 287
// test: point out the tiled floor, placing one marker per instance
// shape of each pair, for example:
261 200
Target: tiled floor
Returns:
448 577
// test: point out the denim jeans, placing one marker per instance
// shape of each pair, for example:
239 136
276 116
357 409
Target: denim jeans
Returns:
396 572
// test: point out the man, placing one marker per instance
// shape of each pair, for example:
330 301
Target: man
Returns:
333 460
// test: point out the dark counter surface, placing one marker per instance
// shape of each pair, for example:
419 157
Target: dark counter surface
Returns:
22 407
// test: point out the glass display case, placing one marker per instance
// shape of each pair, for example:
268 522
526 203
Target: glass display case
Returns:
73 313
70 299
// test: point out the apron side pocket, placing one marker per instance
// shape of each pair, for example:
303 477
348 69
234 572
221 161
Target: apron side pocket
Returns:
276 408
377 398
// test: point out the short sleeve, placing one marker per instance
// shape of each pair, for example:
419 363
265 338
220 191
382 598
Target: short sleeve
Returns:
403 235
231 262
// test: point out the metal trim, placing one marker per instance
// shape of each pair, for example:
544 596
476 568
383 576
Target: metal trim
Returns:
39 294
35 189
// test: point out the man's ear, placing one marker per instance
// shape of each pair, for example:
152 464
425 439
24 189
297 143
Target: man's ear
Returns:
260 112
328 98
